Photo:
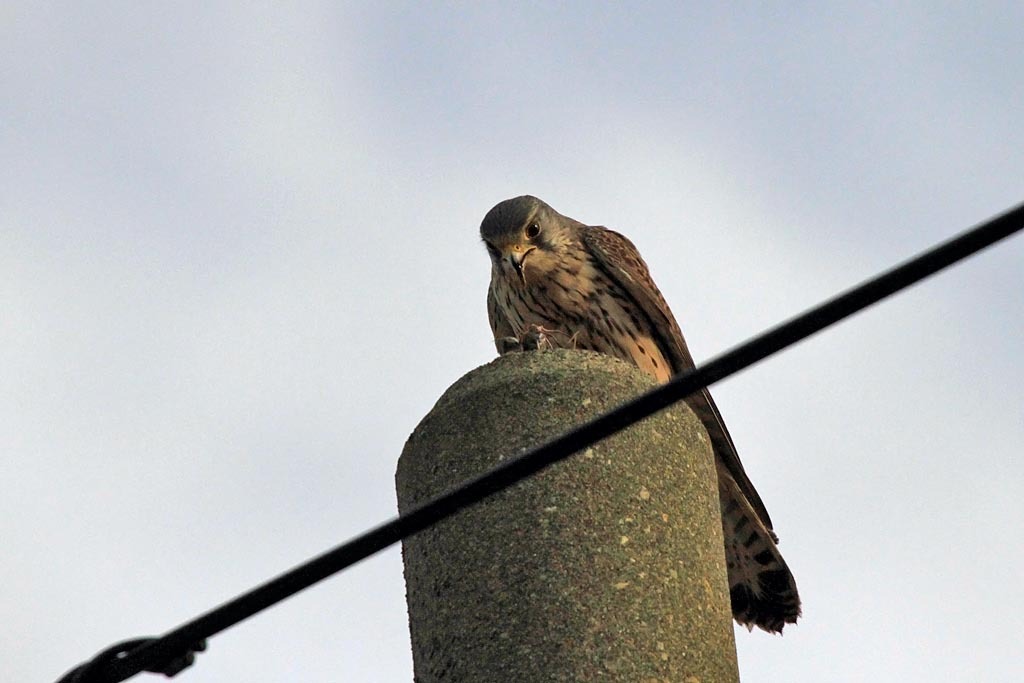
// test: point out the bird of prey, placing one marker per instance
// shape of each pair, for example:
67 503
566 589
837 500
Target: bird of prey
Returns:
556 282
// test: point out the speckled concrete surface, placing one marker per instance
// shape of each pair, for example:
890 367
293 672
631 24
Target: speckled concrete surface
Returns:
608 566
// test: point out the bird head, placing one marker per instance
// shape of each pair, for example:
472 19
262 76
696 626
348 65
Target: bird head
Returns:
523 231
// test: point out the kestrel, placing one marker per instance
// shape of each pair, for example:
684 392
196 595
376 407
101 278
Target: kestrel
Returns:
559 283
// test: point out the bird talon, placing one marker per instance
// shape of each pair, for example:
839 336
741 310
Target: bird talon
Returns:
534 338
508 345
537 338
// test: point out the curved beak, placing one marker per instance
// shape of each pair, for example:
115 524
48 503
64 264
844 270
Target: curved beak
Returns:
516 258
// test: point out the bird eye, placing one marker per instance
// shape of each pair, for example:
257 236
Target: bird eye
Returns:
533 230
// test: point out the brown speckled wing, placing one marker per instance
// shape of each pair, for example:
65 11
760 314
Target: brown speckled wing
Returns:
623 263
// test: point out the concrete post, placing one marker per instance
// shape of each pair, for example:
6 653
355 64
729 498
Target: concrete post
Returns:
606 567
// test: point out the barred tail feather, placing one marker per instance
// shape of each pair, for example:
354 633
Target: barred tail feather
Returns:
761 586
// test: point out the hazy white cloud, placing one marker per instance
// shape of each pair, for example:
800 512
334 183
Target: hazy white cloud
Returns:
240 262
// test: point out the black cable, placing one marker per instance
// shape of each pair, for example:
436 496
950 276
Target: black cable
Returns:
172 646
88 671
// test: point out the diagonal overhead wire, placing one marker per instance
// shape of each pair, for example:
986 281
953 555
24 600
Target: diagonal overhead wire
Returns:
174 650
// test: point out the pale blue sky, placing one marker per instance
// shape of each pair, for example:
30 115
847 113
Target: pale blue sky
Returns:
239 261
